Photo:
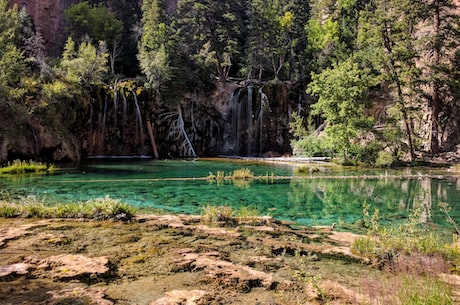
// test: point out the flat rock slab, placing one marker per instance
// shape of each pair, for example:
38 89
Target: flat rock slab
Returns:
181 297
7 272
90 296
181 222
68 266
224 272
11 233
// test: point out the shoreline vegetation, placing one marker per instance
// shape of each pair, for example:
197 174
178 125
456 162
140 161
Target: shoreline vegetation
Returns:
18 167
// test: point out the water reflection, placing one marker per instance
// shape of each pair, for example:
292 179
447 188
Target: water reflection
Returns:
320 199
341 200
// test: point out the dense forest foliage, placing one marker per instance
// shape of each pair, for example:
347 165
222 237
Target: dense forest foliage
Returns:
378 77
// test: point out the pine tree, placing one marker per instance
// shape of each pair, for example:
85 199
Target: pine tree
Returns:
441 36
11 57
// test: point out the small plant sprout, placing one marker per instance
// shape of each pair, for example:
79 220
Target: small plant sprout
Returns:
445 208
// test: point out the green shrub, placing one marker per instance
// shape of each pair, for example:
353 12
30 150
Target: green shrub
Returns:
247 213
384 159
107 208
8 210
306 169
304 141
213 213
364 246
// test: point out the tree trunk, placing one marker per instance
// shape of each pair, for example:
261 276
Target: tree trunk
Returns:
152 138
435 101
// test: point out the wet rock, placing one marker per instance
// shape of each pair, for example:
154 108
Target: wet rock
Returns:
223 272
7 272
211 231
88 296
181 222
181 297
69 266
11 233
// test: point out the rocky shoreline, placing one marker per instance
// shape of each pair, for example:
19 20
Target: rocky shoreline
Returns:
179 259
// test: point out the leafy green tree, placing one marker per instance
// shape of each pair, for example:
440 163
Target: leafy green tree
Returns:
82 68
342 98
11 57
85 64
155 46
305 141
98 23
79 76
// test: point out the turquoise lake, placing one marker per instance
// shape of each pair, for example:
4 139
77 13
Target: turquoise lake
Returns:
330 196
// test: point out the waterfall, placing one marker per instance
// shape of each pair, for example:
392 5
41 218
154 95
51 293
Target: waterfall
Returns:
139 125
125 106
116 125
115 102
260 118
236 110
249 126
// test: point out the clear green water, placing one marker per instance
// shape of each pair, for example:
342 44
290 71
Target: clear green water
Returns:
319 199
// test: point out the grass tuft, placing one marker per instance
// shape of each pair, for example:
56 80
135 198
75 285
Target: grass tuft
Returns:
98 209
19 167
220 213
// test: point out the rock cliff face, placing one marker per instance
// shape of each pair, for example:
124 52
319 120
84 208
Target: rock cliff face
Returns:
49 17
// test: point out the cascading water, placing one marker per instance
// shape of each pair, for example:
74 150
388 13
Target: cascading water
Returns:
259 120
117 130
140 136
245 127
241 119
264 102
249 122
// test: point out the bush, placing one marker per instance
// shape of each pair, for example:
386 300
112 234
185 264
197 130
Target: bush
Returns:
7 210
217 213
305 142
107 208
384 159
